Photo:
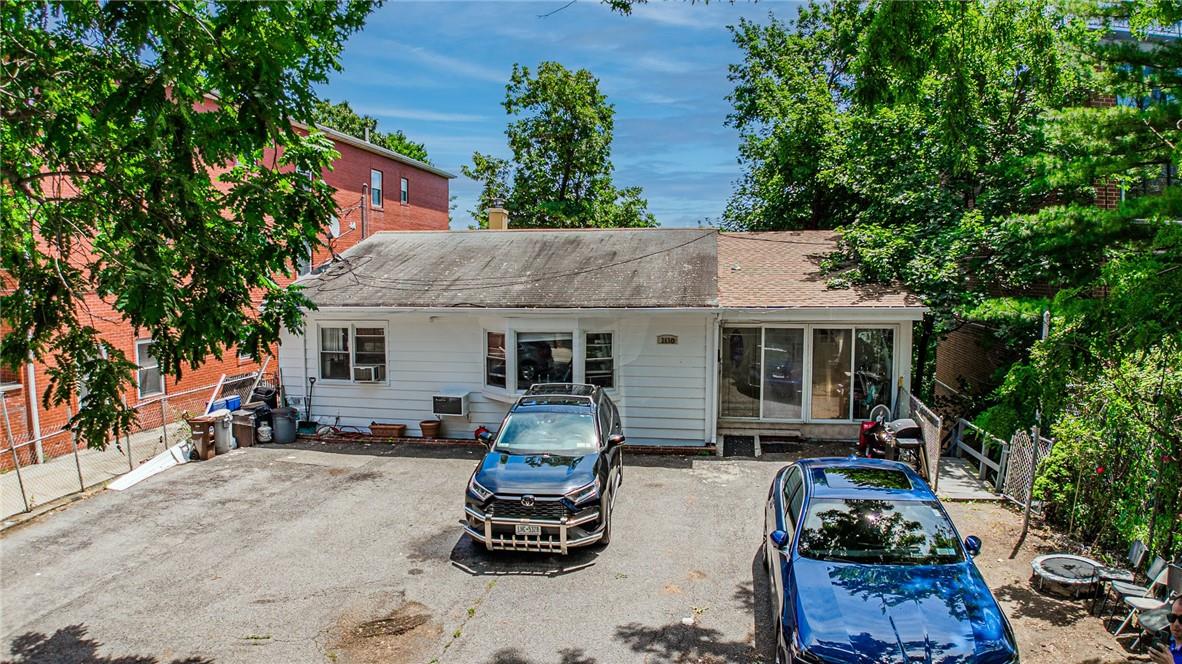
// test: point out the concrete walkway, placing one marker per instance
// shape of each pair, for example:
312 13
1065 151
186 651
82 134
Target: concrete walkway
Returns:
58 477
958 481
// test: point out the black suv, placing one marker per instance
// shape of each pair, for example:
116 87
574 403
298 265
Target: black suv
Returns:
548 481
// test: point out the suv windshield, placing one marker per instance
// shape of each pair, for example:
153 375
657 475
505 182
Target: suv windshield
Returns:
878 531
548 431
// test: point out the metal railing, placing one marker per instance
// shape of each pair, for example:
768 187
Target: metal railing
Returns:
931 424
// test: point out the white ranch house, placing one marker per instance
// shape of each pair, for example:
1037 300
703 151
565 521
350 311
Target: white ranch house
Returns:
697 335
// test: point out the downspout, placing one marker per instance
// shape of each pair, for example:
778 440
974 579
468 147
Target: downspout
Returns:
712 381
34 408
364 208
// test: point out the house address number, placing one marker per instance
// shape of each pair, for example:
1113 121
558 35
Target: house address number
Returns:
667 339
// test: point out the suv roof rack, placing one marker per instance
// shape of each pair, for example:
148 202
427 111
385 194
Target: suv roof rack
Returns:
564 389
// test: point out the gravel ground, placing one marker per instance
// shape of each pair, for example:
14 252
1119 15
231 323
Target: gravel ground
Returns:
353 553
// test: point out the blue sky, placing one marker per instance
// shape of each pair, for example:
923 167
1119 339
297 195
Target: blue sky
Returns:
437 71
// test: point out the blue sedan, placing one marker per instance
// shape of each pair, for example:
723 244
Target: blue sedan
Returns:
865 566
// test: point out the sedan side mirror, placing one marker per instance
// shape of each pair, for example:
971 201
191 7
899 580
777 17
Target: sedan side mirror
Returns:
972 544
615 439
779 538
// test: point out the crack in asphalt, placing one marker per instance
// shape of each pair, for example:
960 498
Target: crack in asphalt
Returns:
470 613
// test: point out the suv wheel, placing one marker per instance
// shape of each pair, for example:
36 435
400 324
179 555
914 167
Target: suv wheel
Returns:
607 521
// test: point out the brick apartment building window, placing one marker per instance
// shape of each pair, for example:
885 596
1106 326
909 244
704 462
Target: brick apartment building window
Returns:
147 378
9 378
405 191
375 188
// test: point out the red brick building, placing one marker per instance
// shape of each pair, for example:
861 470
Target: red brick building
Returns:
376 190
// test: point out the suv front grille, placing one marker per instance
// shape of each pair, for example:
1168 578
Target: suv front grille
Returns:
511 508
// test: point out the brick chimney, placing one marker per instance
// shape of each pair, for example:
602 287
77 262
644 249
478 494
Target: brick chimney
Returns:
498 218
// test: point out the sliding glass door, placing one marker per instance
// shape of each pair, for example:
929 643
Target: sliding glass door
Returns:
805 372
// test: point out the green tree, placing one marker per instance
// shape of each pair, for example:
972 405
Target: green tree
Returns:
560 174
149 163
343 118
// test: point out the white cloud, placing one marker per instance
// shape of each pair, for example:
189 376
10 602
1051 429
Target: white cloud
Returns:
681 16
417 114
441 61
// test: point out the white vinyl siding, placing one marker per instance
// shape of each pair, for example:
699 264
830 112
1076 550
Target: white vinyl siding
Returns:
660 390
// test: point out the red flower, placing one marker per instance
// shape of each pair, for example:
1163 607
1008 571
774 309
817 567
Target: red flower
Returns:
1099 470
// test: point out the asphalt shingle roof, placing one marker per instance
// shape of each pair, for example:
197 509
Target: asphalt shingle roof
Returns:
617 268
626 268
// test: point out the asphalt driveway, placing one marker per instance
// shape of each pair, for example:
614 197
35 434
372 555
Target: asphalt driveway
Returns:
347 553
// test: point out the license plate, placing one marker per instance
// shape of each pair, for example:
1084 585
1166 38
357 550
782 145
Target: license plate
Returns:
526 529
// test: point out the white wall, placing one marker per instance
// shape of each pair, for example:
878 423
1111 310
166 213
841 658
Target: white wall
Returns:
661 389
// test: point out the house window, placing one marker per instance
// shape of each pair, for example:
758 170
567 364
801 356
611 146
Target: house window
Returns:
599 366
494 359
353 352
375 188
739 389
9 378
783 373
874 361
544 357
369 353
148 378
334 353
405 191
304 264
831 365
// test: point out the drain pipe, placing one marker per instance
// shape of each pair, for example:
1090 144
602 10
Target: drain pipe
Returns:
364 208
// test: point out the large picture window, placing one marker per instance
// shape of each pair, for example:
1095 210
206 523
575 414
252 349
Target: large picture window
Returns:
805 372
544 357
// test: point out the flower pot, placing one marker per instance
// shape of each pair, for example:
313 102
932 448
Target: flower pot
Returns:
430 428
387 430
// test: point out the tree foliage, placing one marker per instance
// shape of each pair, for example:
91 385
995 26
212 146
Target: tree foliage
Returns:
129 194
560 174
343 118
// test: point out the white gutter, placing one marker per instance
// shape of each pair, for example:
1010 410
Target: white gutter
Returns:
34 410
818 313
712 350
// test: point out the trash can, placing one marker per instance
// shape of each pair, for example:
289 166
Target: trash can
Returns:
223 436
202 437
266 394
283 423
244 424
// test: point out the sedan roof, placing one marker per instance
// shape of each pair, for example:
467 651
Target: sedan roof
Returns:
867 479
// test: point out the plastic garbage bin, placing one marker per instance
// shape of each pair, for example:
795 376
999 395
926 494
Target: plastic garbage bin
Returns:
202 437
283 423
266 394
223 436
244 424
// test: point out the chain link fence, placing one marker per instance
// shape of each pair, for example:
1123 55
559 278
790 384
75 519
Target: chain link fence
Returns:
931 424
35 470
1022 465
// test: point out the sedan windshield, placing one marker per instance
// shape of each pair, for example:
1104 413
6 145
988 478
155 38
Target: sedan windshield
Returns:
878 531
542 431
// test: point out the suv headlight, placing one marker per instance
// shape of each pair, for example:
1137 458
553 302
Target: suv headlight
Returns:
482 494
584 493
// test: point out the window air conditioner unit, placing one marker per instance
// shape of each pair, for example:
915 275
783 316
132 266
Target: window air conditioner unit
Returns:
369 373
450 403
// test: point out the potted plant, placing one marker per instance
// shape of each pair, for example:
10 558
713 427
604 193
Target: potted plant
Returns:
382 430
430 428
